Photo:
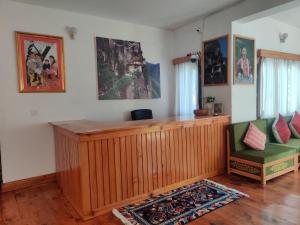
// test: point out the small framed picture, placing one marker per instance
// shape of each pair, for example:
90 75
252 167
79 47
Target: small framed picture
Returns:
244 60
40 63
216 61
218 109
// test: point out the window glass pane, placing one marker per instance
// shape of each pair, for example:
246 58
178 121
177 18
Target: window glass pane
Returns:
186 88
279 83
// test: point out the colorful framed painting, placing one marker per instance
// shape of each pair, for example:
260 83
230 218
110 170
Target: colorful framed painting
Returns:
124 73
216 61
40 63
244 60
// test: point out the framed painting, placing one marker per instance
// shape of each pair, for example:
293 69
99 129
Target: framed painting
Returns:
218 109
216 61
123 72
40 63
244 60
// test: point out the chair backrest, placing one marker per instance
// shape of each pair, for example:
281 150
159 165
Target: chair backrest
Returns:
239 130
141 114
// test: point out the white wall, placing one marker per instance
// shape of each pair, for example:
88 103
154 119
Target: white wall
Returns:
27 141
266 33
220 24
187 39
236 98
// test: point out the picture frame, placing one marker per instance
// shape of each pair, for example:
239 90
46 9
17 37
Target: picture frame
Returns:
218 109
123 71
216 69
40 60
244 60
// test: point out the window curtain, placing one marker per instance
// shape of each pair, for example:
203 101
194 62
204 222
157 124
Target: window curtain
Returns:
279 87
186 88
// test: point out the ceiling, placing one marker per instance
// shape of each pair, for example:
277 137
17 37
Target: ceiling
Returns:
167 14
291 16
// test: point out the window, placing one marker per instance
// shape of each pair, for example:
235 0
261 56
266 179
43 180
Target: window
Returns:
279 87
186 88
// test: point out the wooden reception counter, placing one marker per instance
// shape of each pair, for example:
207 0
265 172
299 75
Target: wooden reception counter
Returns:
105 165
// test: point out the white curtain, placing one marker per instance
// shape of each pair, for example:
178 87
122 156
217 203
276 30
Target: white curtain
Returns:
279 87
186 88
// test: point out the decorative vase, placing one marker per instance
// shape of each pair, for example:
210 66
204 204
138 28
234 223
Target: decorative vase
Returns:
209 106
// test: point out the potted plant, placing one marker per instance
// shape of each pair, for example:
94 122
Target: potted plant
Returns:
210 99
209 104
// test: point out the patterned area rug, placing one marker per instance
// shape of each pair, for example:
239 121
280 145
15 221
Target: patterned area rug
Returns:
179 206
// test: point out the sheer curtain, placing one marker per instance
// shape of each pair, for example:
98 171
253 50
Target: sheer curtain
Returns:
186 88
279 87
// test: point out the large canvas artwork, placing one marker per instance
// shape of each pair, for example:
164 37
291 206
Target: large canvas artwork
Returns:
215 67
40 63
123 72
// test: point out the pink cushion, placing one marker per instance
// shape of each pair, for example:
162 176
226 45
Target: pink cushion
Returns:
255 138
295 125
281 130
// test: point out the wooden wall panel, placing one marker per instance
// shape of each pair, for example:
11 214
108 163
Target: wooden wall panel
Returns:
140 164
67 155
99 173
122 167
117 151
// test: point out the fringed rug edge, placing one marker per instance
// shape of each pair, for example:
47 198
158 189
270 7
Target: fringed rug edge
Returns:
122 218
226 187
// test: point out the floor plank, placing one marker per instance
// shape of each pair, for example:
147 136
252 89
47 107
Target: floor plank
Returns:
276 204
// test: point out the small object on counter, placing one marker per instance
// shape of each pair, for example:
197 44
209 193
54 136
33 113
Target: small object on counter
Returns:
201 112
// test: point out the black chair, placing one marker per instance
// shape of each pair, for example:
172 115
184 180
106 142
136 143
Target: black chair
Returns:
141 114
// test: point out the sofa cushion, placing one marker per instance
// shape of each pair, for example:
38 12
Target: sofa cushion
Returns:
239 130
295 125
255 138
271 153
270 122
281 130
294 143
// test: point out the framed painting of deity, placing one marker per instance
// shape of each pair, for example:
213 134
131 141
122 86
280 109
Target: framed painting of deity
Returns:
40 63
244 60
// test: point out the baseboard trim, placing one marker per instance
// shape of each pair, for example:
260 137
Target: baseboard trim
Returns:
29 182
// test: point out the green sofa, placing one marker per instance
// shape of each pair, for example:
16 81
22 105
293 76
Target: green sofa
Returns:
275 160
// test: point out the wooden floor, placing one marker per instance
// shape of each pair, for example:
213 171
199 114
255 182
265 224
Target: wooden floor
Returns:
277 203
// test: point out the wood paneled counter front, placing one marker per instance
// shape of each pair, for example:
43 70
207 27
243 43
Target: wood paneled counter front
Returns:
105 165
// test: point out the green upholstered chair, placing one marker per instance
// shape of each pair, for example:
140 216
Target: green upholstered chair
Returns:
274 161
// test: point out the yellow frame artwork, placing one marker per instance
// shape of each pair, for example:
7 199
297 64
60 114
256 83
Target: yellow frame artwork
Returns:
40 79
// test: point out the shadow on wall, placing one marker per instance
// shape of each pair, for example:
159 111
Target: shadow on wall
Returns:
126 116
